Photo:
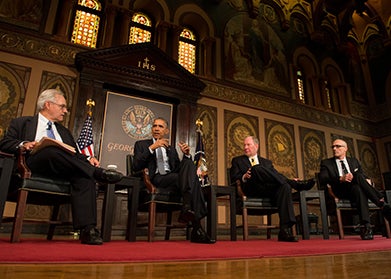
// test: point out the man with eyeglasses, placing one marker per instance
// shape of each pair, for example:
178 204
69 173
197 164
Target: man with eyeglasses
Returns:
26 131
347 180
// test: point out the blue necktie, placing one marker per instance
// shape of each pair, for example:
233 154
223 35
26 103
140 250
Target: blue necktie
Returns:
49 131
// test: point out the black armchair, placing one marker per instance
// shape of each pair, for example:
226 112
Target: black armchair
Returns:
33 189
336 206
154 201
246 206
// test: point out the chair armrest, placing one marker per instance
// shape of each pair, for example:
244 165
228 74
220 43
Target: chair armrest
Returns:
8 155
240 191
23 169
147 181
331 193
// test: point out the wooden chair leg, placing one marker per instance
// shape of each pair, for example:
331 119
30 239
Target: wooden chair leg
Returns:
340 225
19 215
151 221
245 224
168 225
54 218
387 225
268 230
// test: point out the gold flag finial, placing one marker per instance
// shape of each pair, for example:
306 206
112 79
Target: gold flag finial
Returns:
199 124
90 104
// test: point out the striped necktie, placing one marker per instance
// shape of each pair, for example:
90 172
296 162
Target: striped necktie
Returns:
49 131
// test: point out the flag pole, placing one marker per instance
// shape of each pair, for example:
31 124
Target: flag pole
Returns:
85 141
200 160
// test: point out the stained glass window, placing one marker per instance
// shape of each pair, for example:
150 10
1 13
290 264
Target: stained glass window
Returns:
86 23
187 50
300 86
140 29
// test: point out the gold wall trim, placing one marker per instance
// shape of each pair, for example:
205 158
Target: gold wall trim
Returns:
293 109
38 48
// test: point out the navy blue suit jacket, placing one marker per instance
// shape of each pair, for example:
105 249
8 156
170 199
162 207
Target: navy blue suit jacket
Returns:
143 158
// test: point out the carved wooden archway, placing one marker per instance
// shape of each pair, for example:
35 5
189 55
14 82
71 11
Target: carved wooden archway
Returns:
141 70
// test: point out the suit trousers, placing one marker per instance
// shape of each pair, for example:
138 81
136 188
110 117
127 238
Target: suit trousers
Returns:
358 192
55 162
267 182
186 181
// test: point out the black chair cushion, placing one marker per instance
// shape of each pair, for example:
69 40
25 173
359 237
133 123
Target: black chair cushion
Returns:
46 191
345 203
256 206
48 185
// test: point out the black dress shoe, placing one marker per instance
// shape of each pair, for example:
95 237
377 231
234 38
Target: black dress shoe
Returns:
108 176
286 235
91 236
186 216
198 235
386 211
302 185
366 232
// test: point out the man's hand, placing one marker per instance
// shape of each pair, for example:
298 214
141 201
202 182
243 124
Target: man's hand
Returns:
94 162
184 147
159 143
247 175
346 178
29 145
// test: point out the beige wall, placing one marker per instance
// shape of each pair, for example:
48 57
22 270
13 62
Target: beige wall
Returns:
262 115
37 67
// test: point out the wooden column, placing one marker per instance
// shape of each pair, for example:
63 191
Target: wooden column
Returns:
63 20
317 92
162 33
125 24
177 30
111 12
207 56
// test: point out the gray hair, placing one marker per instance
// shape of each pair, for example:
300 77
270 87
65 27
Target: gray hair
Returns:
48 95
255 139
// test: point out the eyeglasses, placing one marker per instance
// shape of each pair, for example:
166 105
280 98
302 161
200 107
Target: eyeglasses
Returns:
61 106
337 146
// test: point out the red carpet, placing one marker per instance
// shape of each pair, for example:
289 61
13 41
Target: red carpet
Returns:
71 251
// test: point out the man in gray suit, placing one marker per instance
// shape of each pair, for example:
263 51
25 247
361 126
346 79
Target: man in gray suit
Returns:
348 181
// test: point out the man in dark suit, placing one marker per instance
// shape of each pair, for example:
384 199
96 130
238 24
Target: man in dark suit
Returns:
347 180
174 175
53 161
259 178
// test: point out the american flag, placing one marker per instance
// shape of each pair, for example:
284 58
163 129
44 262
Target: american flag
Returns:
85 141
